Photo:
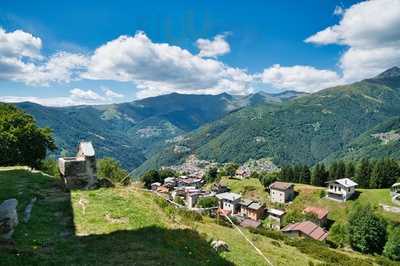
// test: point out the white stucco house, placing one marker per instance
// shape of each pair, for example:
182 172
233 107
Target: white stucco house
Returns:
341 189
229 202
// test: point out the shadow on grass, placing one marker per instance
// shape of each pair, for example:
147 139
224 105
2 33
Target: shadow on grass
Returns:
328 224
49 237
355 196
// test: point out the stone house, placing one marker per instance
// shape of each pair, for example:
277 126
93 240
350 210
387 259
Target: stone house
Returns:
251 209
229 202
281 192
341 189
79 171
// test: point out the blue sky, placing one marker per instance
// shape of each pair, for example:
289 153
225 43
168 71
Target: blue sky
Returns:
73 53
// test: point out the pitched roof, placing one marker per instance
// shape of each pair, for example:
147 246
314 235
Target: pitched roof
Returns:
228 196
255 206
276 212
308 228
246 202
280 185
346 182
320 212
86 148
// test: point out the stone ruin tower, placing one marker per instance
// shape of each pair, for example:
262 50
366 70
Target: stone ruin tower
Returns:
79 171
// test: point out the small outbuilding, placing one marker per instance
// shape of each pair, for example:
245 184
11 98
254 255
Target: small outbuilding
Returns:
275 218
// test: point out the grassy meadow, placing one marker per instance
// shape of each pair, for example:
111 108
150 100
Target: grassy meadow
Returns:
126 226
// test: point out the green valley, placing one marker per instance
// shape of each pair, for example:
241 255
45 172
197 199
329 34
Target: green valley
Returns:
305 130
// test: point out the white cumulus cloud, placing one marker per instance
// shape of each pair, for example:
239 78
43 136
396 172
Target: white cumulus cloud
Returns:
213 48
112 94
76 96
21 60
300 78
19 44
371 31
159 68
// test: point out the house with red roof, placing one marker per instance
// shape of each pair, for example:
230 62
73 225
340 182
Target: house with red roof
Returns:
320 213
306 229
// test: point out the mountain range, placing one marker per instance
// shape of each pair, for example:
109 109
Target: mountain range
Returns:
132 132
350 121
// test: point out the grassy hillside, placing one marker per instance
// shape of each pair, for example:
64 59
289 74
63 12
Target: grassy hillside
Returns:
305 130
310 196
125 226
131 132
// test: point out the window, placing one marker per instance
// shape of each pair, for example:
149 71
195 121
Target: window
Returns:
349 189
340 189
331 187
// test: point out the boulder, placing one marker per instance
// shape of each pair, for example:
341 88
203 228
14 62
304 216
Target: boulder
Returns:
8 218
219 245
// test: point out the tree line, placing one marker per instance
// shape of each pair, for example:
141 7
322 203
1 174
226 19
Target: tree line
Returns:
381 173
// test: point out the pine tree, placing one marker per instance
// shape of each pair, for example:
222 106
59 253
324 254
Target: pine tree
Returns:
297 173
384 173
333 171
305 175
319 175
363 173
350 169
341 170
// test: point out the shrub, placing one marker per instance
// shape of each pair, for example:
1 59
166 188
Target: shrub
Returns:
294 216
150 177
190 216
277 235
320 251
179 201
367 232
111 169
392 246
338 234
50 167
207 202
211 175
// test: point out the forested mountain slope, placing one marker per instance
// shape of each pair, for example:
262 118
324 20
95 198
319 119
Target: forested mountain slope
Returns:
305 130
132 131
